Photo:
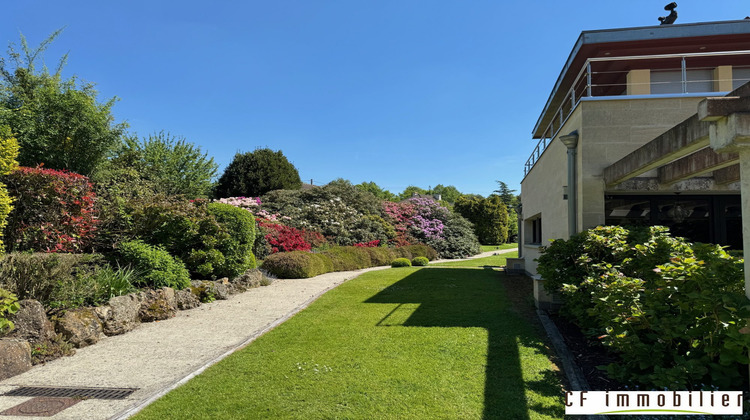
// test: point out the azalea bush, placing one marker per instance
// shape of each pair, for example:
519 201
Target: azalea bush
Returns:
425 221
53 211
675 312
282 238
339 211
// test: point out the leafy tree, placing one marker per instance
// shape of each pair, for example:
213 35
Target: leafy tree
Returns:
489 216
378 192
57 122
252 174
173 165
8 153
449 193
409 192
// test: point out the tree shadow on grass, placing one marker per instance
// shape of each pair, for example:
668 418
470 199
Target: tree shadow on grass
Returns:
465 297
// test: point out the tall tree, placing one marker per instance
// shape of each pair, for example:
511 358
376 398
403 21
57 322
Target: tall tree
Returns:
57 122
506 194
489 216
252 174
173 165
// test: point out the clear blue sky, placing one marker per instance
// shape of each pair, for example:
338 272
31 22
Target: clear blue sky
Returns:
397 92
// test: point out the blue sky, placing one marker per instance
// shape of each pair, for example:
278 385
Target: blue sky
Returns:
396 92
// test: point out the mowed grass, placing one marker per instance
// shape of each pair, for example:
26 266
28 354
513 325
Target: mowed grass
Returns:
487 248
402 343
493 261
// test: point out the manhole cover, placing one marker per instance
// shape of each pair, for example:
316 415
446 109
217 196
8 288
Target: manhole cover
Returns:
41 407
79 393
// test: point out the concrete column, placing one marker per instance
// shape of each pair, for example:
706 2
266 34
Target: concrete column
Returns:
731 133
639 82
571 142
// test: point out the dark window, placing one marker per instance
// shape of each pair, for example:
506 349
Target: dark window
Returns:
709 219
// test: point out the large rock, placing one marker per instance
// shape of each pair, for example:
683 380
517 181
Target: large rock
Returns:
185 299
15 357
207 290
31 322
157 305
121 314
80 327
249 279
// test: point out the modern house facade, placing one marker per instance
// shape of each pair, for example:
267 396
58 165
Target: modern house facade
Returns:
620 141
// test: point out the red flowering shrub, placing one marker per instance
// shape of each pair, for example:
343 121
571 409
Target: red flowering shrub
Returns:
371 244
284 238
315 239
53 210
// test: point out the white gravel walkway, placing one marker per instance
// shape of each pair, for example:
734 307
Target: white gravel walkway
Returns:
159 356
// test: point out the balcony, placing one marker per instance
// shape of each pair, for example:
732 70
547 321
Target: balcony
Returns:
645 76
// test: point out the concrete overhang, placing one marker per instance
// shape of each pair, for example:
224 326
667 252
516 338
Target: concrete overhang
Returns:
660 39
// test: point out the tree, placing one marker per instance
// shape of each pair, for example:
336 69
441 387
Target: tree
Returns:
449 193
409 192
57 122
252 174
506 194
8 153
489 216
378 192
173 165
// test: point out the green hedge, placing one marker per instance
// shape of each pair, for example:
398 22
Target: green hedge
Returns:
300 264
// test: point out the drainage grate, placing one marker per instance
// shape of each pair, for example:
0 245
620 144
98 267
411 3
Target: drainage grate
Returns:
81 393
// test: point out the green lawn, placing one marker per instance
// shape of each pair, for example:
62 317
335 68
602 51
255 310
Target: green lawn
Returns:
487 248
494 261
412 343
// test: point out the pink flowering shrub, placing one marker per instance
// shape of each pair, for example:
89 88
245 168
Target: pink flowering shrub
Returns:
371 244
247 203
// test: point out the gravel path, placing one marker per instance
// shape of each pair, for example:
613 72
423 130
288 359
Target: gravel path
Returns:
159 356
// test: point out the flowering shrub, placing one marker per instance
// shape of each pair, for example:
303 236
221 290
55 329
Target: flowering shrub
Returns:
424 220
54 210
247 203
284 238
371 244
339 211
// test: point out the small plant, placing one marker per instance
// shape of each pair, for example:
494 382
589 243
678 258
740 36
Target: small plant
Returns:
420 261
157 267
401 262
113 282
8 306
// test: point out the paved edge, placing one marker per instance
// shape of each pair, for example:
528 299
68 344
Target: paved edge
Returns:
570 367
129 412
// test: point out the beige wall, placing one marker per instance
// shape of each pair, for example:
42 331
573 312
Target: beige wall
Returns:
542 193
611 129
608 130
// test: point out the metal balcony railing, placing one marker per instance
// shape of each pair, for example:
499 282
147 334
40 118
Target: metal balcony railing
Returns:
673 76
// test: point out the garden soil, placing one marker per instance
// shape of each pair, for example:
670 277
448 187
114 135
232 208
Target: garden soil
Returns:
159 356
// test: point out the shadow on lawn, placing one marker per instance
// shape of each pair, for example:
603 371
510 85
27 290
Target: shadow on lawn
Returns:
464 297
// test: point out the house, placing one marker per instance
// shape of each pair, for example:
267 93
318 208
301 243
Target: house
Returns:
620 140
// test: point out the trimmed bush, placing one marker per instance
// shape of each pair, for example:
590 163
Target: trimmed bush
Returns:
300 264
422 251
47 277
53 211
156 267
420 261
295 265
401 262
238 247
